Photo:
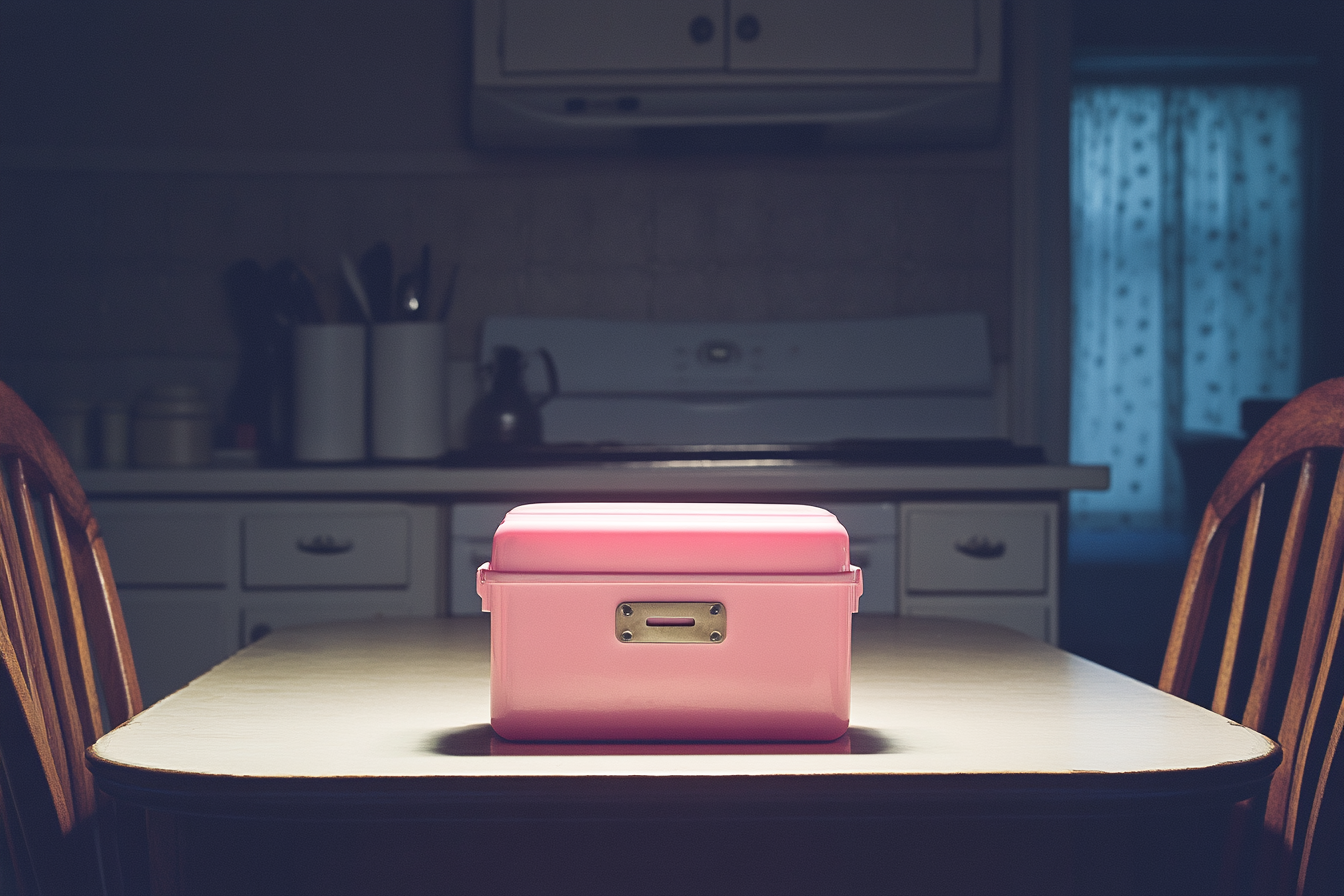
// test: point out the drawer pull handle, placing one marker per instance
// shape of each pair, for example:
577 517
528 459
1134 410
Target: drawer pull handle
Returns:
981 548
324 545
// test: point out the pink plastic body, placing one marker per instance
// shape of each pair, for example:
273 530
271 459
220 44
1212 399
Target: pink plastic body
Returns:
559 672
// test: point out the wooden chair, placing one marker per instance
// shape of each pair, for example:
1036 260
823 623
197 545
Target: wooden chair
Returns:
62 644
1289 686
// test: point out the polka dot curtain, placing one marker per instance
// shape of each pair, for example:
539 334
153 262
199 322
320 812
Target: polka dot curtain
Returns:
1187 233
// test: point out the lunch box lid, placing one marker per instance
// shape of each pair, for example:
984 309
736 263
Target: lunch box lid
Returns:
670 538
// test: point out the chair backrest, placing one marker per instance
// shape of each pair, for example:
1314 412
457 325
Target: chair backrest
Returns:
1289 685
62 644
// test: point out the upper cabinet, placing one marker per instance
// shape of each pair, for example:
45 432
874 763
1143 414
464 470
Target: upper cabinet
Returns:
525 39
852 35
611 36
607 74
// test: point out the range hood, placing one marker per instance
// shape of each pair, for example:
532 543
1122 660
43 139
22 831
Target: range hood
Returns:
629 74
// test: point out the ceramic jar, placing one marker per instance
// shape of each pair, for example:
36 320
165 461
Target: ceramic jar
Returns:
172 428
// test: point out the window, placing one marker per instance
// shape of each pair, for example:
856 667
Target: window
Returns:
1187 278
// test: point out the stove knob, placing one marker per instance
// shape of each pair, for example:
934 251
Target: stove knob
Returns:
718 351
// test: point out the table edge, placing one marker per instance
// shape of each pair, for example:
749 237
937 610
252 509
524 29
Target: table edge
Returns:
859 792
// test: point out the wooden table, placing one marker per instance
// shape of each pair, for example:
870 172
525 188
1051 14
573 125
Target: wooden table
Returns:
357 757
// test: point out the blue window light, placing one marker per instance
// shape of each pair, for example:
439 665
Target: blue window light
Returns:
1187 279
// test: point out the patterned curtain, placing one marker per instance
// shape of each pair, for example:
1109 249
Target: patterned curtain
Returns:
1187 233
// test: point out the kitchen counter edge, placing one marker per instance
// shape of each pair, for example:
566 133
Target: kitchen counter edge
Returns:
627 478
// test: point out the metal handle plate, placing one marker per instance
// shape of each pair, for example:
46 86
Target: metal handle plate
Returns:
643 622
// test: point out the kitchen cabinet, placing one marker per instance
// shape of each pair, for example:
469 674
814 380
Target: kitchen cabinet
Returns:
615 74
608 37
209 560
852 35
199 579
542 36
984 560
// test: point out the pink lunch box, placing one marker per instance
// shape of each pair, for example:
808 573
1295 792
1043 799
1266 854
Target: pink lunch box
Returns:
689 622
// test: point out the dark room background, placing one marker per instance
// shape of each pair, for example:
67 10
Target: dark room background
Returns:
145 147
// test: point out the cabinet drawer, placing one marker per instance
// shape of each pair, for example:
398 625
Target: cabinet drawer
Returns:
165 548
175 637
326 550
258 619
976 549
1029 615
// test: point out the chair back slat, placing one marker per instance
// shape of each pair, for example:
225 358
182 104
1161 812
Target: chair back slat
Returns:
1276 616
1303 773
1294 691
1309 657
37 676
1232 640
67 714
1325 784
73 628
65 664
106 626
1192 610
12 588
35 787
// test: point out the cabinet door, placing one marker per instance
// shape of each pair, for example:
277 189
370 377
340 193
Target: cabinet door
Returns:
175 636
852 35
158 546
258 618
872 548
611 36
1030 616
326 550
970 549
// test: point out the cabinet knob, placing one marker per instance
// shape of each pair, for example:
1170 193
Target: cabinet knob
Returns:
702 29
748 28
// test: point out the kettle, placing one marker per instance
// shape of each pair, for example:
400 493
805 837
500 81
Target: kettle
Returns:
506 416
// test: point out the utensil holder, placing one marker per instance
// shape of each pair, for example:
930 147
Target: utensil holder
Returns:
409 399
329 388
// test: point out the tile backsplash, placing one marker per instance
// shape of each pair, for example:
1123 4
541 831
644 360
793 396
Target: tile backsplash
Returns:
115 269
127 187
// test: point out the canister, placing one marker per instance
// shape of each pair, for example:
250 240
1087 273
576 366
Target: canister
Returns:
172 428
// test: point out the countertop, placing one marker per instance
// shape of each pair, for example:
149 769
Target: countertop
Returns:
680 478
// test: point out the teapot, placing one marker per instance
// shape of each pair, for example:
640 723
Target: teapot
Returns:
507 416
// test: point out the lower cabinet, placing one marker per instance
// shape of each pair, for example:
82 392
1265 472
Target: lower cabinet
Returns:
200 579
986 561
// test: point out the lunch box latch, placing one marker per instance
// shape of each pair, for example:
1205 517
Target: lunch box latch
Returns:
643 622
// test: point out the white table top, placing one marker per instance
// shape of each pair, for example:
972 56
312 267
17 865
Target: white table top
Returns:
940 708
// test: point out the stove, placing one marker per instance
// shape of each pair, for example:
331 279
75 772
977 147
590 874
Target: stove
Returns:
813 383
908 390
